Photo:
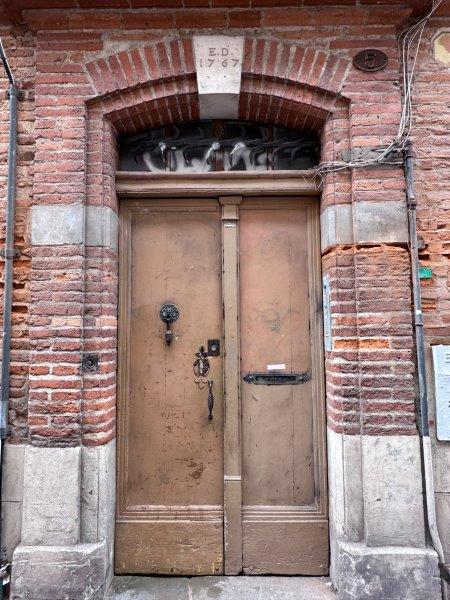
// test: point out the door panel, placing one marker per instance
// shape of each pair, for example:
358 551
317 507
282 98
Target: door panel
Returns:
270 450
284 527
171 470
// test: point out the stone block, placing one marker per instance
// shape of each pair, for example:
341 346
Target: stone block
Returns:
12 494
363 223
12 483
59 572
56 225
392 488
443 520
98 496
11 527
51 501
336 226
394 573
345 492
380 222
102 227
441 463
218 60
346 505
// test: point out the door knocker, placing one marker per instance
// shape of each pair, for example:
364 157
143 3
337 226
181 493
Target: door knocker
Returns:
201 367
169 313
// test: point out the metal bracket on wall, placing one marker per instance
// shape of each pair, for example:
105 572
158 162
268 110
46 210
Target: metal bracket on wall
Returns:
90 363
14 254
20 95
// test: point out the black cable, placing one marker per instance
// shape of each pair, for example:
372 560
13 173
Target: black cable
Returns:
6 65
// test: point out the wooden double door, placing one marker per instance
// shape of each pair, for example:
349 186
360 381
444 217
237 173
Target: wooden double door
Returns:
221 451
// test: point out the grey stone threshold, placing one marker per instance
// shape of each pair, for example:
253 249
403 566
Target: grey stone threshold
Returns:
221 588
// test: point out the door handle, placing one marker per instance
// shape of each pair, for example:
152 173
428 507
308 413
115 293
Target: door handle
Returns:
210 399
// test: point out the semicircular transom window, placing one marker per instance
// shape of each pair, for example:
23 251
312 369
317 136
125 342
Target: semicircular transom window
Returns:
204 146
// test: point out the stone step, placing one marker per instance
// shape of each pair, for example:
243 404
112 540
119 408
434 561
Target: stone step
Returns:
221 588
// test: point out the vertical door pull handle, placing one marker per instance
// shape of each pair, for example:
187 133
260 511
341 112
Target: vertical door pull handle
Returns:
210 400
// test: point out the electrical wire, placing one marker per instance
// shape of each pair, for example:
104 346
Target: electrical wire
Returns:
410 41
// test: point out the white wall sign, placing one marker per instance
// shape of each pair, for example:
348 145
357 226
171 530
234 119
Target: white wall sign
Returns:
218 60
326 297
441 364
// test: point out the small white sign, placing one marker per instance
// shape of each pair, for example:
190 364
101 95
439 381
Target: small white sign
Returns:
441 364
326 299
279 367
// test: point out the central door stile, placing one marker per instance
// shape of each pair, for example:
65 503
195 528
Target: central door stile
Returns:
232 411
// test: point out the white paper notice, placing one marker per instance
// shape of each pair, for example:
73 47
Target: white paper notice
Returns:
280 367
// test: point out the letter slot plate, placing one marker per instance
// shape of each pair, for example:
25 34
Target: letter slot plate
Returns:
277 378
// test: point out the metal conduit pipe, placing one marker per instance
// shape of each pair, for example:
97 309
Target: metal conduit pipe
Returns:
424 428
8 256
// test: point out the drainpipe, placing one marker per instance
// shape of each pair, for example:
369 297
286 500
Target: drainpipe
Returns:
424 428
8 256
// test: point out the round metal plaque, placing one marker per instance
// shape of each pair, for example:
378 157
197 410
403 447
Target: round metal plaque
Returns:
370 60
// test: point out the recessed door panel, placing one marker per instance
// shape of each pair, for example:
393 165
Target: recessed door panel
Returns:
170 510
284 528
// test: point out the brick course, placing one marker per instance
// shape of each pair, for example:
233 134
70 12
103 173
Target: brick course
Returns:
92 74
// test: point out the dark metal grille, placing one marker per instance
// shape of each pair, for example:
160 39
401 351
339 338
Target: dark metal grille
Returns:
203 146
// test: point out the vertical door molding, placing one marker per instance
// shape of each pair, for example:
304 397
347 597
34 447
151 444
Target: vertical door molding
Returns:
232 411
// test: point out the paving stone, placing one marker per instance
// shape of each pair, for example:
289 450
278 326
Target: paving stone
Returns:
149 588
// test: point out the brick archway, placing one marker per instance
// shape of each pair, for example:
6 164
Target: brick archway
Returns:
156 85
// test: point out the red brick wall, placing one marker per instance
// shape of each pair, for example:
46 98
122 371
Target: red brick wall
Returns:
90 67
370 387
20 49
432 146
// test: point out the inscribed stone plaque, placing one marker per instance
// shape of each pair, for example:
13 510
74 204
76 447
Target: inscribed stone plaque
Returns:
218 60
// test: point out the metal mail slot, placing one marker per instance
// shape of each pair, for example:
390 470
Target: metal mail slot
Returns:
277 378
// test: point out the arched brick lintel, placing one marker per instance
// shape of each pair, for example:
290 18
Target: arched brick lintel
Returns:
154 85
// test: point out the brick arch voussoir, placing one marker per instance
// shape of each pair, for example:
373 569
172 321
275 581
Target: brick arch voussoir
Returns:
300 74
165 61
314 69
